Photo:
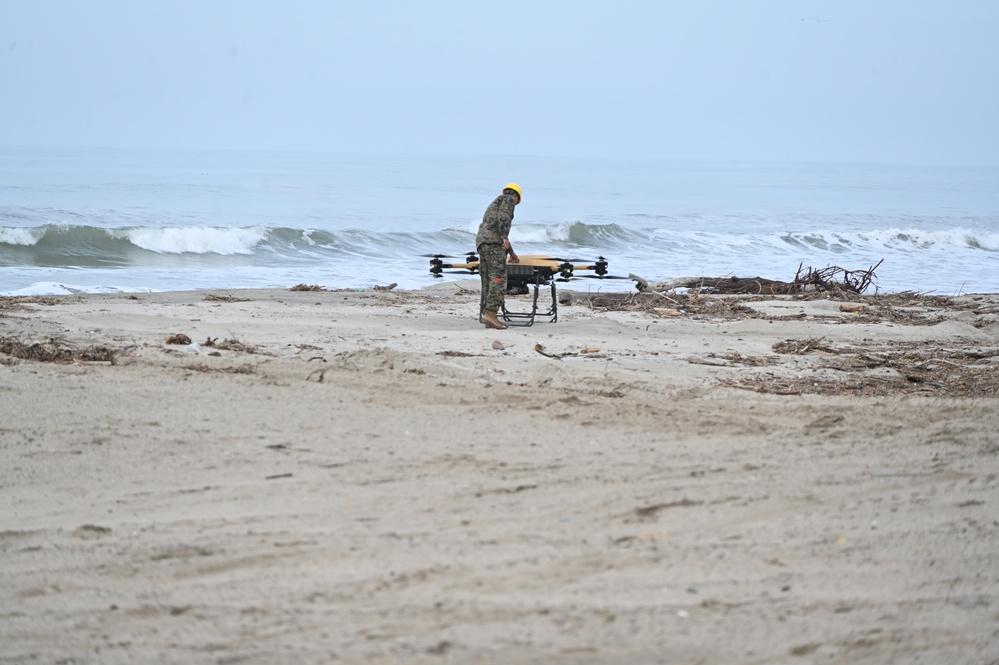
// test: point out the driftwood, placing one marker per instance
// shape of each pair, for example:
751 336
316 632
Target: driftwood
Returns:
830 278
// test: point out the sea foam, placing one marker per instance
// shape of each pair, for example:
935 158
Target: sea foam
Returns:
179 240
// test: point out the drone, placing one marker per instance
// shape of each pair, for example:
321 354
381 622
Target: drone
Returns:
532 271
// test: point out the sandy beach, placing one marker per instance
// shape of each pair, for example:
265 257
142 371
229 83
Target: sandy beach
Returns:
374 477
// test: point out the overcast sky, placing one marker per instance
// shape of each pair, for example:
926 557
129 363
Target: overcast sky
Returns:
902 81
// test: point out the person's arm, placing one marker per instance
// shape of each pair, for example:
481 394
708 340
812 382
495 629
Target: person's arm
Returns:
511 255
507 212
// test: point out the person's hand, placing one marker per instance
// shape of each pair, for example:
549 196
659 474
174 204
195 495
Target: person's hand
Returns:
513 258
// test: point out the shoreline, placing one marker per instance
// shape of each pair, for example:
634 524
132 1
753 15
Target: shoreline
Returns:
374 477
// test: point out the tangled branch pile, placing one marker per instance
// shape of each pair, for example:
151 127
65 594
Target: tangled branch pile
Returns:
855 281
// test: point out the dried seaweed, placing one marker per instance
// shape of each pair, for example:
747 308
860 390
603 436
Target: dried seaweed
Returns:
307 287
17 303
211 297
231 345
54 350
802 346
902 308
896 368
672 305
244 369
8 304
751 361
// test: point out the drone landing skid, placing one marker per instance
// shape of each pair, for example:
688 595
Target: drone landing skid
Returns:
537 278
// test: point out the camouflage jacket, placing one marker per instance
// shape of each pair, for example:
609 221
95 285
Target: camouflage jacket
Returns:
496 221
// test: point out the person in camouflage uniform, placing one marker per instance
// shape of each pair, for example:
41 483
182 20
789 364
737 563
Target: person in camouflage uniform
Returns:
493 245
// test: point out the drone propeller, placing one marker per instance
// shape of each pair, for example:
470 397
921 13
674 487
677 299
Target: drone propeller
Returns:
471 256
560 260
600 259
602 276
441 273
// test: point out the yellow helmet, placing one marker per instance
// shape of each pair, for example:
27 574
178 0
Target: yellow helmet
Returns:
515 187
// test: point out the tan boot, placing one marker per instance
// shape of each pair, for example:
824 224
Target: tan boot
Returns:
491 321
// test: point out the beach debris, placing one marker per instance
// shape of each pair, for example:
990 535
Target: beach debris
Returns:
905 308
386 288
231 345
736 358
853 308
440 648
89 531
798 347
498 345
11 304
651 512
541 349
557 356
827 422
307 287
17 303
207 369
711 361
55 350
180 339
830 278
889 368
770 390
678 305
211 297
856 281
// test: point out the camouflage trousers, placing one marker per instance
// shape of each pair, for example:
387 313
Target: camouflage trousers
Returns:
492 272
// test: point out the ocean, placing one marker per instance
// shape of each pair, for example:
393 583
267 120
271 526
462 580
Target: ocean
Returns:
89 220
